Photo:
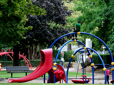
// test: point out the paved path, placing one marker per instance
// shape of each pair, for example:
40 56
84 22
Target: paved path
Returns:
41 81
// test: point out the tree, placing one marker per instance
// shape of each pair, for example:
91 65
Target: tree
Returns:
110 17
42 34
13 17
95 19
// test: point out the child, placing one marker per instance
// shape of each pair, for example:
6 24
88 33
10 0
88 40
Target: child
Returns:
107 73
77 26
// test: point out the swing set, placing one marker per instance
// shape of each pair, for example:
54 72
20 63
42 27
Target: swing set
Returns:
84 78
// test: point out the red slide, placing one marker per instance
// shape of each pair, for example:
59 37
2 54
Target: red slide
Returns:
44 67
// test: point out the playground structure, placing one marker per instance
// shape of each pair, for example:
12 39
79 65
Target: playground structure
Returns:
56 72
25 59
3 52
84 78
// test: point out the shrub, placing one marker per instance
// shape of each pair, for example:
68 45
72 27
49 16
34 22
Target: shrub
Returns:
67 56
6 63
34 63
96 59
55 54
106 59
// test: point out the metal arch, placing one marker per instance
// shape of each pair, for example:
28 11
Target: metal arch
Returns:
92 62
71 58
64 45
61 49
101 41
60 38
86 34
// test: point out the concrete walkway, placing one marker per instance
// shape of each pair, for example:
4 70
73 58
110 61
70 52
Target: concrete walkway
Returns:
40 80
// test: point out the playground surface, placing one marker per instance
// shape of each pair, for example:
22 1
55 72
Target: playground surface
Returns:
99 77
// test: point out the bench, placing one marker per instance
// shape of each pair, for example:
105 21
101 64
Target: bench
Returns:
17 69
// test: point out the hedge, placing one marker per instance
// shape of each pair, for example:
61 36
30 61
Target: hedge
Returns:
106 58
55 54
68 54
34 63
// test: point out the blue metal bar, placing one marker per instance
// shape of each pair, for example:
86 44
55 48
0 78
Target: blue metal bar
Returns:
54 77
86 34
64 45
68 67
92 74
44 78
98 55
88 51
61 49
92 61
78 50
80 42
83 63
102 63
61 37
105 78
101 41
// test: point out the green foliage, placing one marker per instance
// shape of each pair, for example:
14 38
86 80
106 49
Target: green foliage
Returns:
71 20
55 54
96 59
68 54
6 63
96 19
110 13
13 18
106 59
34 63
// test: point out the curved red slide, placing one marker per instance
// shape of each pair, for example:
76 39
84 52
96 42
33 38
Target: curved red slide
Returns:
44 67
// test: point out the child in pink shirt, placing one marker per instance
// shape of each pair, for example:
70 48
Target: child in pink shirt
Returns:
107 73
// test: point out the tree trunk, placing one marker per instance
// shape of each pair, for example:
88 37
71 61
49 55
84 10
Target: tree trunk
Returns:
40 47
32 52
16 55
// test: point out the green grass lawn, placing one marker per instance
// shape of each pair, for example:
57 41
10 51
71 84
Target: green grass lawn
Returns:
4 74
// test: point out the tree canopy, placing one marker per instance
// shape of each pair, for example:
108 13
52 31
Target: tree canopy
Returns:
42 33
97 19
13 17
